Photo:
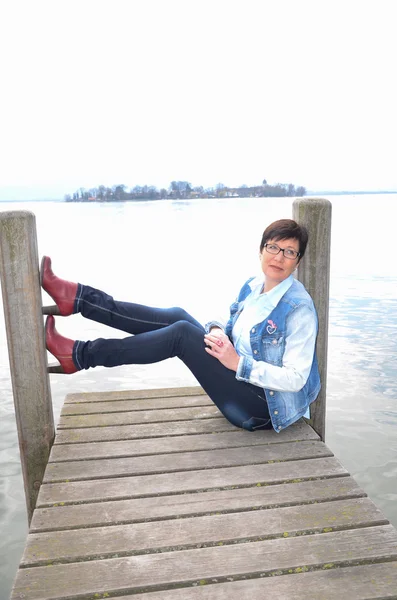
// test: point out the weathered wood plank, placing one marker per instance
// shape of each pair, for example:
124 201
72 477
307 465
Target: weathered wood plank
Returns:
183 461
353 583
298 431
194 390
138 573
86 408
146 485
137 431
162 507
140 416
118 449
103 542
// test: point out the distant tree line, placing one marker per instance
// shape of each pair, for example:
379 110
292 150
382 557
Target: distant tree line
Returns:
182 190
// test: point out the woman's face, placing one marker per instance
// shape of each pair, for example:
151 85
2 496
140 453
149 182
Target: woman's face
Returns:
276 267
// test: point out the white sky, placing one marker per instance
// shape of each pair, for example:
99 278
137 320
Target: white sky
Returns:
147 91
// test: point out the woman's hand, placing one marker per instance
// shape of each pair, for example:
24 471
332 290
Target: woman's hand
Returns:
220 347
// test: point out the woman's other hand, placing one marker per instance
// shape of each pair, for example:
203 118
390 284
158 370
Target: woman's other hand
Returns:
220 347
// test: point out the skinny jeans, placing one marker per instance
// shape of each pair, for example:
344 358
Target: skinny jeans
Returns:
160 333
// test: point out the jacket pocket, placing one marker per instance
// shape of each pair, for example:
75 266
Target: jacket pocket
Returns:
273 349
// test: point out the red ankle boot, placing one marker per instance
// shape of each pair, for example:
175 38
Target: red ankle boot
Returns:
61 291
59 346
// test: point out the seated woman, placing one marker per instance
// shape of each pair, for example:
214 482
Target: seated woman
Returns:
259 368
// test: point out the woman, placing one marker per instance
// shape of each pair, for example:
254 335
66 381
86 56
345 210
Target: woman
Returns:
260 368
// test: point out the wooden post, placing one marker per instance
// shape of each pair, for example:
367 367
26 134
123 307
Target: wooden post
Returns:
19 272
315 214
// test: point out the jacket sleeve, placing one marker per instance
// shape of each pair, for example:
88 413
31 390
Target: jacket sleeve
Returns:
215 323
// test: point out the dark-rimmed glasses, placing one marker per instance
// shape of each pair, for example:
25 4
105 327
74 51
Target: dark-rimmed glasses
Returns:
288 252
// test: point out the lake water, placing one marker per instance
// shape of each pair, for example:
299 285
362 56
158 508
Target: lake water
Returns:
196 254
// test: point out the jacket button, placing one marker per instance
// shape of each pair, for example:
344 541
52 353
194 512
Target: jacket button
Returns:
279 427
253 330
274 342
271 393
276 412
255 351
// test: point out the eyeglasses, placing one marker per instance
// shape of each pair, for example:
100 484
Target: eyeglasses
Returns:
288 253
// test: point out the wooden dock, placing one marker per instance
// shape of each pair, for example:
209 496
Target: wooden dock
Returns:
153 495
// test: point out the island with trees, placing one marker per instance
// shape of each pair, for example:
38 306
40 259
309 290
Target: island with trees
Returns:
182 190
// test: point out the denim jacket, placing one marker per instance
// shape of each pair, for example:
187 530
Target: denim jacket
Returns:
268 344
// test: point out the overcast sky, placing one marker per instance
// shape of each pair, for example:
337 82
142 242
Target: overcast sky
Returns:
147 91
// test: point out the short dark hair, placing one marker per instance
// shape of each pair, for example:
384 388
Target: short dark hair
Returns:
285 229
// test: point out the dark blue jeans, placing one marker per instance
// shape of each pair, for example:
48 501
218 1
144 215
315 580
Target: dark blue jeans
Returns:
160 333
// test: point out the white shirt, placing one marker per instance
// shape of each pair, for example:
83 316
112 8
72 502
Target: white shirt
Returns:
257 307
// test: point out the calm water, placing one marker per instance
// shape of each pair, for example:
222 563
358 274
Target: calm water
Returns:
196 254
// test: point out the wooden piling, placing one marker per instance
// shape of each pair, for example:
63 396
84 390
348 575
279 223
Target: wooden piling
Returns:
19 273
314 273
